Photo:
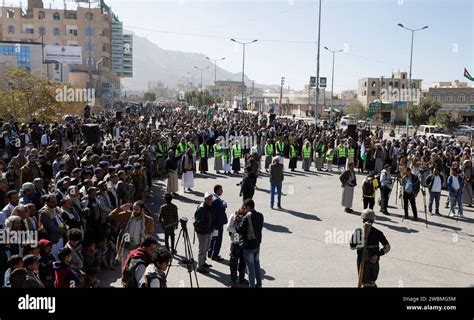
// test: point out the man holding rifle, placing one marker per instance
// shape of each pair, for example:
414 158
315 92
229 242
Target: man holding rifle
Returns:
366 240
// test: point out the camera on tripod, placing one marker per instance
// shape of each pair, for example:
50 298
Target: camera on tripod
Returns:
183 222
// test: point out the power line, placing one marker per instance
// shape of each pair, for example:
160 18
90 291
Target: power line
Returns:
216 37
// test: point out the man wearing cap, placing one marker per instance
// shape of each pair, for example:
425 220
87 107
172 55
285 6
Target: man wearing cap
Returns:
61 190
203 224
367 241
27 192
276 181
385 188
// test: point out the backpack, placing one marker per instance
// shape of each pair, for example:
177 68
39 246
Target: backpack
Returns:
128 277
368 188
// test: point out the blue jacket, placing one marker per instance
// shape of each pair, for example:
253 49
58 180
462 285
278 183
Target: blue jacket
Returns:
450 183
220 217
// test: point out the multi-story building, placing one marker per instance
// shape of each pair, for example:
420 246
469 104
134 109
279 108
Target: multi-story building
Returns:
391 89
127 56
89 28
450 84
228 90
457 100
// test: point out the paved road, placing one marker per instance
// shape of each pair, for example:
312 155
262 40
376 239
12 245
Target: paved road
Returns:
306 243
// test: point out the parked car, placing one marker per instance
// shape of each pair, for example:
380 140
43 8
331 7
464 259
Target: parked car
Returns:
435 131
346 120
463 130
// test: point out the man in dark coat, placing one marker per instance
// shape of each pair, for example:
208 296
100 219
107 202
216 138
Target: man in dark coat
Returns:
220 219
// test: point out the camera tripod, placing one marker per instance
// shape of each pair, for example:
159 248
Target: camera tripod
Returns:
188 260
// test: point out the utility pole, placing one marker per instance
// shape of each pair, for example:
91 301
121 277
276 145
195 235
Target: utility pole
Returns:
215 70
281 93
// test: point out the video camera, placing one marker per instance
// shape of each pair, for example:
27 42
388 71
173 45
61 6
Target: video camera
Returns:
183 222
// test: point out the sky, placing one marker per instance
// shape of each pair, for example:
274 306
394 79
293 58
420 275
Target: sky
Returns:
366 30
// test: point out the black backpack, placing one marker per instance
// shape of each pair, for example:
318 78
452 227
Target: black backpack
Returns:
368 188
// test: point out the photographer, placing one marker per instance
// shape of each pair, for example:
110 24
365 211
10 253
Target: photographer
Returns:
168 218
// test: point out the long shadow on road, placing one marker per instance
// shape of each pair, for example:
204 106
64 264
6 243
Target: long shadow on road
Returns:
276 228
301 215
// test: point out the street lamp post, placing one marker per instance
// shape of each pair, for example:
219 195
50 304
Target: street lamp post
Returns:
243 65
192 74
215 69
411 65
204 68
332 81
317 66
281 93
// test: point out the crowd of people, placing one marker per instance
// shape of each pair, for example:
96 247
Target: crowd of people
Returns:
85 195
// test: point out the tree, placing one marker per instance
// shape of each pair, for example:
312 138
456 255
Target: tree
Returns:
423 112
149 96
29 95
446 121
195 98
358 109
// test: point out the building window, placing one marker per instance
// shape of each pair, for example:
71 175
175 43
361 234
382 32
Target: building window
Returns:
10 14
41 15
472 98
403 86
11 29
56 16
390 84
364 93
89 15
72 32
404 76
57 31
373 93
42 30
365 84
437 97
29 29
89 31
448 98
396 84
461 98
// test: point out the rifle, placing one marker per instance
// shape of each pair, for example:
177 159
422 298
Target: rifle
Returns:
367 228
423 191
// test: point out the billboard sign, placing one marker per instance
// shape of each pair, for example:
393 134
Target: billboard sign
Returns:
63 54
